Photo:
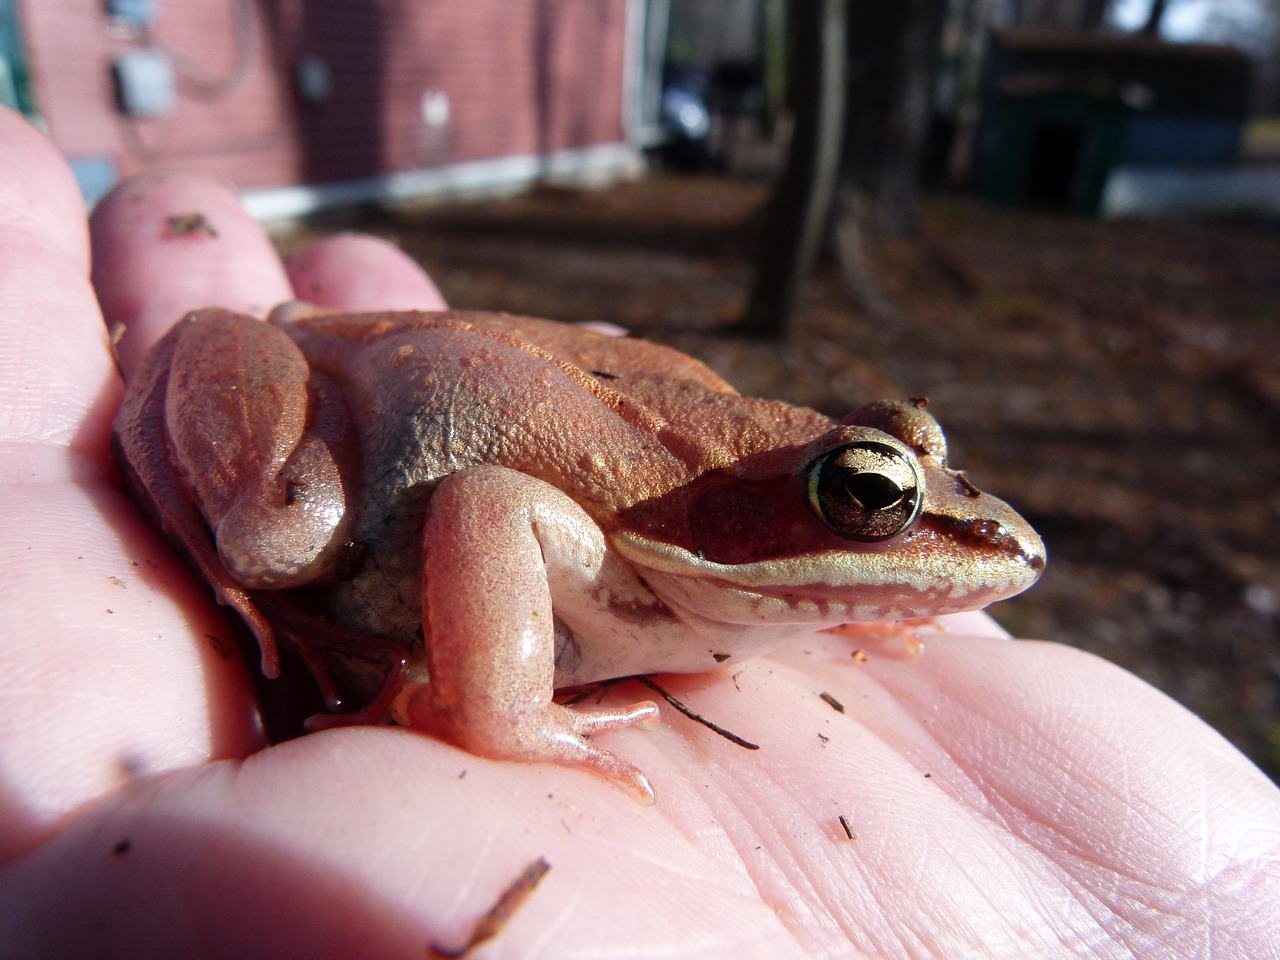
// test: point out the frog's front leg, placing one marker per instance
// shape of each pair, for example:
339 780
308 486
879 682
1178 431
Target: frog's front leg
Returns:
494 542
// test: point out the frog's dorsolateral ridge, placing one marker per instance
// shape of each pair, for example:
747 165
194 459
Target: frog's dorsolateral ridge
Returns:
460 512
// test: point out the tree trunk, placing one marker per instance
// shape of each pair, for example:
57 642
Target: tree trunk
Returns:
1152 27
893 56
799 211
1093 16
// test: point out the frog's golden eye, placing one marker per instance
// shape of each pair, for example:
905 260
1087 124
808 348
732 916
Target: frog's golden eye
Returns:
865 491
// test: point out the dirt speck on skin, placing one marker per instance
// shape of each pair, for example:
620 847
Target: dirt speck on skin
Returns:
1118 382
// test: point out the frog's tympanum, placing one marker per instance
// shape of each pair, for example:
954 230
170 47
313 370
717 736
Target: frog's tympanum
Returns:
456 514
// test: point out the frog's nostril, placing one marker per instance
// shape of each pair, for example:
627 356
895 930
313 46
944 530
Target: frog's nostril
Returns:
987 529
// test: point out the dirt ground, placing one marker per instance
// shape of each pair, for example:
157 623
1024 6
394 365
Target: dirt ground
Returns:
1119 382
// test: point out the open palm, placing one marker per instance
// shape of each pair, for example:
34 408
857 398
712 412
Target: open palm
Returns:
1002 799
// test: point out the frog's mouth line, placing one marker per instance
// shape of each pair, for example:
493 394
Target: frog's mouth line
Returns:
918 567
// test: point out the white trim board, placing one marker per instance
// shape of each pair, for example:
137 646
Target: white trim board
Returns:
588 166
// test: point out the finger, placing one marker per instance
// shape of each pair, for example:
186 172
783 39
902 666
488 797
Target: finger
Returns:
57 369
167 243
98 681
356 272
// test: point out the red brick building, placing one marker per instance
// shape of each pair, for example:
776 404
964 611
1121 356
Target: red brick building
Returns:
354 98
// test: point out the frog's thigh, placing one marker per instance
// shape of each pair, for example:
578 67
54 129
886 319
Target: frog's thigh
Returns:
493 541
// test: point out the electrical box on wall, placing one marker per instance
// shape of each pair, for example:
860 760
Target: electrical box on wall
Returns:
137 13
144 83
311 79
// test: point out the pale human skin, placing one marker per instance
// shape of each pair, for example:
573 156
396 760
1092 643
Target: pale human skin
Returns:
1008 799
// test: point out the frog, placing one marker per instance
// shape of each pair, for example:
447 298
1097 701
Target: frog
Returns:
454 515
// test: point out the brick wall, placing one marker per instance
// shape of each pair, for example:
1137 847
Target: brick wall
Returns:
498 78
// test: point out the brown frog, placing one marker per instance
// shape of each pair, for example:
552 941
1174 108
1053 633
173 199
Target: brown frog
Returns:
459 513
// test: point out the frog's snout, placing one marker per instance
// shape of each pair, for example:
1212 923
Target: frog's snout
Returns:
1017 539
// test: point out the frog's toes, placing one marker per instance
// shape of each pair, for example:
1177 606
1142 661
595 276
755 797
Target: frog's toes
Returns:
587 722
598 721
545 733
563 735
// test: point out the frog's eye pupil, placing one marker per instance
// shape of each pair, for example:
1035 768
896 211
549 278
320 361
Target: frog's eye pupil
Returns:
874 491
866 490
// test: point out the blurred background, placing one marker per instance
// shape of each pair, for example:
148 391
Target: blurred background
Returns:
1057 219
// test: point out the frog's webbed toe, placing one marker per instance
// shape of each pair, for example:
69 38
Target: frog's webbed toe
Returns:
547 732
585 724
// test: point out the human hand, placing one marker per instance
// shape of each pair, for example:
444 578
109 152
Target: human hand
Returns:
1008 799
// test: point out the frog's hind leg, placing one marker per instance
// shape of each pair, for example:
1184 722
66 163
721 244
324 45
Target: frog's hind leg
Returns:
381 709
494 540
387 665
